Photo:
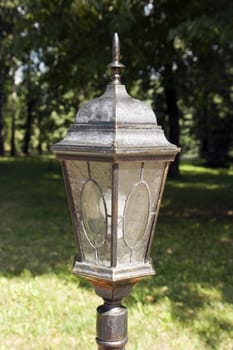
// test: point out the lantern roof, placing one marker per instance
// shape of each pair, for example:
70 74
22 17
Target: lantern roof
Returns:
115 125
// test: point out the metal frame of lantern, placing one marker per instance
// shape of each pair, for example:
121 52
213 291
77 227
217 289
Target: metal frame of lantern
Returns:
114 131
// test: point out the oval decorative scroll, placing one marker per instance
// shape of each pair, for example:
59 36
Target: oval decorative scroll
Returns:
94 213
136 214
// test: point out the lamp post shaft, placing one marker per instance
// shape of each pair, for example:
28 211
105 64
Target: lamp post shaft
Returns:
111 326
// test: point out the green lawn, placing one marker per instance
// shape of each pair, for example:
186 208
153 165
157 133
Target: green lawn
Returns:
187 305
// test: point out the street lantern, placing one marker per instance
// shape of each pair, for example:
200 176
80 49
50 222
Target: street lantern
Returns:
115 160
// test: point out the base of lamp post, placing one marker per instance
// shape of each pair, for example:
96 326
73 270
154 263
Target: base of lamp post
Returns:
111 326
112 317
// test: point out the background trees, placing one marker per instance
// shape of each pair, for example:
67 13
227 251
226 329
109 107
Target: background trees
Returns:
178 54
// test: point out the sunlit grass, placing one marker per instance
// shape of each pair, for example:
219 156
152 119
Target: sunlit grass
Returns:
45 312
187 305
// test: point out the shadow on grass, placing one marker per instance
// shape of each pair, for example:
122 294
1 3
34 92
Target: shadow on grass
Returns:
192 249
35 227
193 275
192 254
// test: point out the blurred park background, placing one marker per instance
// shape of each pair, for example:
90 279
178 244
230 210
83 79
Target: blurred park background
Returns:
179 58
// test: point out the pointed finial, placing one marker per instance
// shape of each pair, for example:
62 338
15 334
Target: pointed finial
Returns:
115 65
115 48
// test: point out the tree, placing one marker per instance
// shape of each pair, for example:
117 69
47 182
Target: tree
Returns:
167 49
8 14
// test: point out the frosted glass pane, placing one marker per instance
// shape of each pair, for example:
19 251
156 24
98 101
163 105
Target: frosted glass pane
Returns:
93 211
139 188
137 210
152 175
90 184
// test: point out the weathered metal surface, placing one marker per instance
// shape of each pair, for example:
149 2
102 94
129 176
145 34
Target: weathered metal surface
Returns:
111 327
114 274
116 125
115 65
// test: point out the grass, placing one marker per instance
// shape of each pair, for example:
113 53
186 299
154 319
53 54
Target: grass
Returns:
187 305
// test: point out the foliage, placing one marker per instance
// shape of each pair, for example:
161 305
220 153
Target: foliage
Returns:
189 301
178 56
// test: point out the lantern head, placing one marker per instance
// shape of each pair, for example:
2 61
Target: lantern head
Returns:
115 160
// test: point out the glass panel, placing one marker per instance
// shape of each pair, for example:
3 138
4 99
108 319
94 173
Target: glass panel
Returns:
90 184
93 211
136 214
139 188
152 175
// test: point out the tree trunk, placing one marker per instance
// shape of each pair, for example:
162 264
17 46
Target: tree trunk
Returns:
1 117
12 151
13 111
173 119
39 147
28 126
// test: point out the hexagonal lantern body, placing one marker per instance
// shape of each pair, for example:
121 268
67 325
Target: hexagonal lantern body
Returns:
115 160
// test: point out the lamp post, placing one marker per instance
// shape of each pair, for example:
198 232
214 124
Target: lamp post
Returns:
115 160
